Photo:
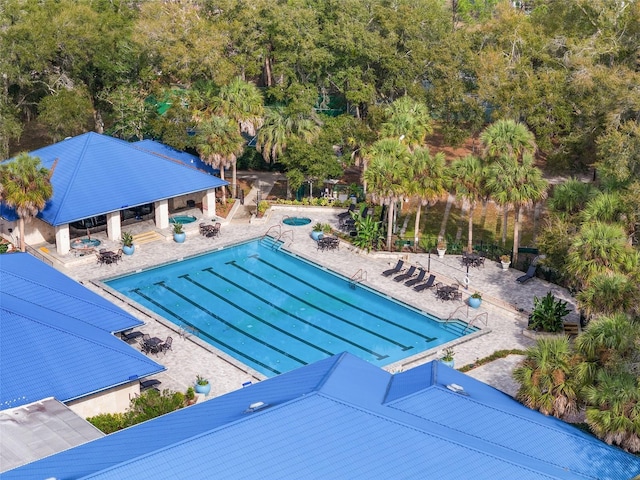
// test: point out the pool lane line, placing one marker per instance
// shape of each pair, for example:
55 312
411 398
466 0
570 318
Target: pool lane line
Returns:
213 339
356 307
300 319
254 316
315 307
231 325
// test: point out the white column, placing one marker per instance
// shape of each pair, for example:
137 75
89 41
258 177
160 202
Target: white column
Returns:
209 203
63 244
114 228
162 213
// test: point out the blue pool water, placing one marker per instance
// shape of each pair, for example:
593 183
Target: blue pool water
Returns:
276 312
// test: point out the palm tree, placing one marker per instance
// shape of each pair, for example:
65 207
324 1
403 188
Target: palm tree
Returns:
242 102
26 187
519 185
546 378
608 294
408 121
278 129
218 143
600 248
508 138
428 180
469 177
571 196
386 175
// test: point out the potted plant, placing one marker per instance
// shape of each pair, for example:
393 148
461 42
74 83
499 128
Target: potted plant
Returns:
127 243
178 234
475 300
442 248
316 231
447 357
202 385
505 261
190 396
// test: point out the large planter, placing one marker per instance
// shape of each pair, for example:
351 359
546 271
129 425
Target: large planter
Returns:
441 252
448 363
204 389
474 302
505 265
316 234
128 250
179 237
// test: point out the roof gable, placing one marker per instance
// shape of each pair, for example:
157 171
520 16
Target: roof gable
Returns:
97 174
59 344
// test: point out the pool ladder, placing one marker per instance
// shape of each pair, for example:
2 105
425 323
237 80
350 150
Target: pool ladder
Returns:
484 316
358 277
276 233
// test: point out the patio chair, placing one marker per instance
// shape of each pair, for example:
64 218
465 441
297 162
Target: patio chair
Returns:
347 214
531 272
409 273
397 269
418 279
166 345
428 284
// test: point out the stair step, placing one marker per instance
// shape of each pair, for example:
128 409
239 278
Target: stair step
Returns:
147 237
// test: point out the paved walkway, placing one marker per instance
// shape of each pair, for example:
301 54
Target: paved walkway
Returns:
502 316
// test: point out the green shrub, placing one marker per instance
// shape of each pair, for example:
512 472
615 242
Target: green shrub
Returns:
109 422
263 206
548 314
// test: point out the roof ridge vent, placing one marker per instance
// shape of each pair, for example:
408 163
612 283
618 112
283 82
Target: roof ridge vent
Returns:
255 406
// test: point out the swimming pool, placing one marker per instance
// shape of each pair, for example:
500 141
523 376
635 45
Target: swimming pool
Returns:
276 312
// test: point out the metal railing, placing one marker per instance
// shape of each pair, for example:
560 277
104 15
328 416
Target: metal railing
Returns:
358 277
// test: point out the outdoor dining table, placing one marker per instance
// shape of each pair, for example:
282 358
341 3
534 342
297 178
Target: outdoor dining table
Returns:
472 260
448 292
152 345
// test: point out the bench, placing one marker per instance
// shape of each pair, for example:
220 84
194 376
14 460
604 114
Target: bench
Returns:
571 329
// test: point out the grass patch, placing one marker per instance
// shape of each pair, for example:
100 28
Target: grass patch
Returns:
494 356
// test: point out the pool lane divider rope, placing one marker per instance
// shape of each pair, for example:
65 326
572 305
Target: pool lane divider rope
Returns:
379 356
340 300
213 339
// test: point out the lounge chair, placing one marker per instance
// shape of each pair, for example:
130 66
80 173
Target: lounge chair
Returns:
151 383
347 214
418 279
428 284
410 273
397 269
531 272
128 336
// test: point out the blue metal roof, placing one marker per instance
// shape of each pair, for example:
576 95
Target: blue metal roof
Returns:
97 174
335 419
184 157
55 337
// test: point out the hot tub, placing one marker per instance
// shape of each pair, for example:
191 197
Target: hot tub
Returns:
183 219
296 221
83 243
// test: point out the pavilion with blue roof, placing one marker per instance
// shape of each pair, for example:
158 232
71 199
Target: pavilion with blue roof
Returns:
342 417
57 340
96 174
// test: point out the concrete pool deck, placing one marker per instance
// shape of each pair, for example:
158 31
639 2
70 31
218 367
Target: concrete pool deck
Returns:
502 315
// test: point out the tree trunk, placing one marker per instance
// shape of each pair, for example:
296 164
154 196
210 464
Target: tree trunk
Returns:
516 234
505 221
390 224
23 245
224 189
416 228
234 181
472 207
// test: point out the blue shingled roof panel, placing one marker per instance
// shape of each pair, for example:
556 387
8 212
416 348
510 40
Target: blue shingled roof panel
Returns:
31 280
55 338
96 174
177 426
314 425
318 437
185 157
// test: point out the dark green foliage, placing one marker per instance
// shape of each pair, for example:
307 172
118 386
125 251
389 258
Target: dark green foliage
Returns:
548 313
369 233
145 406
